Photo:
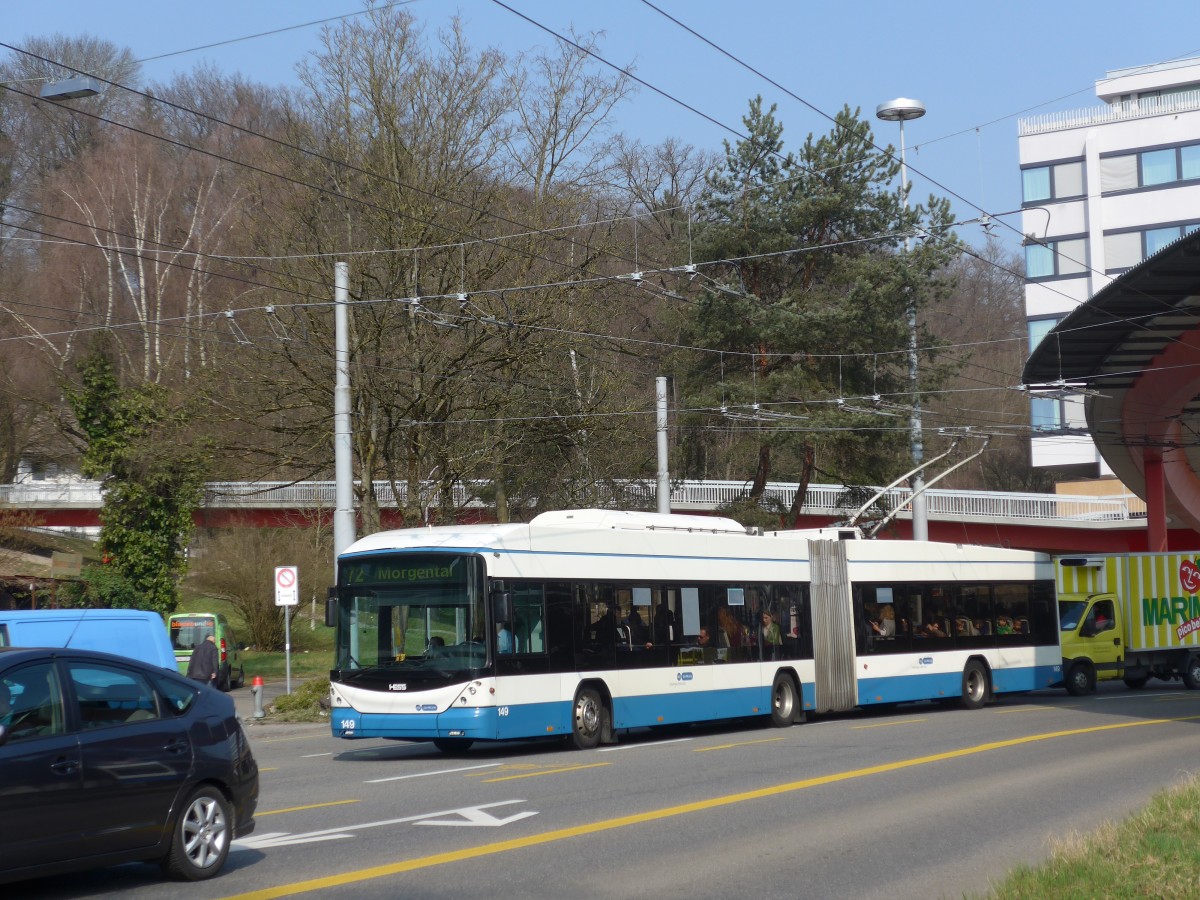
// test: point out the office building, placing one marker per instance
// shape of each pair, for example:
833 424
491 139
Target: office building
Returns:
1102 189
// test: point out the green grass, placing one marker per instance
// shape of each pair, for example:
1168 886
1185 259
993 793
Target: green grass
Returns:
273 666
1154 853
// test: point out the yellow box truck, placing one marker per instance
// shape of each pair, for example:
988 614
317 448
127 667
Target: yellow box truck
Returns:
1133 616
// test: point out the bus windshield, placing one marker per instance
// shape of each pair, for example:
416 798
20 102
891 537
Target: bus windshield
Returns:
410 611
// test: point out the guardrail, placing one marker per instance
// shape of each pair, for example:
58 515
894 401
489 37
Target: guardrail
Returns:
827 499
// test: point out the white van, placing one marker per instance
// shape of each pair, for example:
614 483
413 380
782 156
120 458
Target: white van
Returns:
134 633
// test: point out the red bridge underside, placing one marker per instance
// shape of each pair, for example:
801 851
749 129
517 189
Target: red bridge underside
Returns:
1050 539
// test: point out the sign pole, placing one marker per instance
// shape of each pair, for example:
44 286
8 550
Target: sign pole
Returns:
287 646
287 593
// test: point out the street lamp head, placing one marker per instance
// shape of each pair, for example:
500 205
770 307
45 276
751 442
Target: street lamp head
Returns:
71 89
902 109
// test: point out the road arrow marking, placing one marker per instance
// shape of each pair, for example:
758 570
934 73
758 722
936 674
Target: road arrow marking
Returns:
468 816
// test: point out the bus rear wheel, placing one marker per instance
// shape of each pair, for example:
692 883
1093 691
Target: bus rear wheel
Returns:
588 719
783 702
974 685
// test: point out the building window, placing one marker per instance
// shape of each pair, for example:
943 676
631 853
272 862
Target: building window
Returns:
1126 249
1157 238
1057 182
1056 258
1150 168
1035 184
1158 167
1045 414
1189 162
1038 329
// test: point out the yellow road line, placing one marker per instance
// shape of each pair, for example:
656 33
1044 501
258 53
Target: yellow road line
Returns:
544 772
738 744
275 812
890 724
563 834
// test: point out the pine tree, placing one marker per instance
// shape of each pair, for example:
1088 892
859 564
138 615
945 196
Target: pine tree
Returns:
807 311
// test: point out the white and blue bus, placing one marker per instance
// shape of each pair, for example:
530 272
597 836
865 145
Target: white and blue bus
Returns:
583 623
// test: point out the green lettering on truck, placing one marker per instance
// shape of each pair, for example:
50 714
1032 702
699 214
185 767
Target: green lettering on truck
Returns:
1149 612
1179 608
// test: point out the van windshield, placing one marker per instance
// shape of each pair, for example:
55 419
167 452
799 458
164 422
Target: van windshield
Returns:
188 632
1069 613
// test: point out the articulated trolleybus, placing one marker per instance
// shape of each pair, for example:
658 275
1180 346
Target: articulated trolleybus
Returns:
583 623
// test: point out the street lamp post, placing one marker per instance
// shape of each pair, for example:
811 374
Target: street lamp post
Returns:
901 110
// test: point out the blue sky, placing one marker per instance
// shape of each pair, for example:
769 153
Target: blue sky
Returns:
977 67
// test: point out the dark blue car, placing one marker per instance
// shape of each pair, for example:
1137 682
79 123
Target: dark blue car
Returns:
106 760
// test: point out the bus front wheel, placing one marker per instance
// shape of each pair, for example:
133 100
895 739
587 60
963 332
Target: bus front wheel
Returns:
783 702
588 720
974 685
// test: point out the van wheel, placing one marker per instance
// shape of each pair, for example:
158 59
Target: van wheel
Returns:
783 702
201 836
241 679
1080 680
223 681
974 685
1191 674
588 719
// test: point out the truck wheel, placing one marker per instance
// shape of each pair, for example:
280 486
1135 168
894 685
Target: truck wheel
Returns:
1191 673
974 685
1136 682
1080 679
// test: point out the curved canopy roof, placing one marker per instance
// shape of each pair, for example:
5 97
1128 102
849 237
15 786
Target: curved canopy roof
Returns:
1133 350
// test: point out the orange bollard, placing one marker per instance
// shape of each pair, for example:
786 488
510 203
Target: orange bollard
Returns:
256 688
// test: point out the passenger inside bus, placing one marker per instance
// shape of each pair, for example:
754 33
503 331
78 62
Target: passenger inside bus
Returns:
887 621
504 638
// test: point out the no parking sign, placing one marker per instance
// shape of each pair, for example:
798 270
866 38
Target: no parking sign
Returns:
287 585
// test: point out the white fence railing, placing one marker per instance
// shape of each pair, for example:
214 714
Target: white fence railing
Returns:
697 496
1141 108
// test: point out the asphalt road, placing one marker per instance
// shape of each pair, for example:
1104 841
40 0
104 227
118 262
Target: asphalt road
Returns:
927 802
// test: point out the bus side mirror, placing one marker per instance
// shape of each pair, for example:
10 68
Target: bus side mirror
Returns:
331 607
501 604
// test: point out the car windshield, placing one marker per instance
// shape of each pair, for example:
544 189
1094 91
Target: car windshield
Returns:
410 612
1069 613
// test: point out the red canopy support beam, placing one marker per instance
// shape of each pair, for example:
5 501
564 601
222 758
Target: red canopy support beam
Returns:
1156 500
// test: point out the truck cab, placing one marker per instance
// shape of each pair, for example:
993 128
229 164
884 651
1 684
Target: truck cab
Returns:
1092 646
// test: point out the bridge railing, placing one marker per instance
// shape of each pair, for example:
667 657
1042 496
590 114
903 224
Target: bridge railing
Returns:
821 499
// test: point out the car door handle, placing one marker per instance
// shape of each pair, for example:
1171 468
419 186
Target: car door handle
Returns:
65 766
177 746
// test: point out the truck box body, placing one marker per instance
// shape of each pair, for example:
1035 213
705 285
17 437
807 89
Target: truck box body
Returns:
134 633
1157 593
1134 615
